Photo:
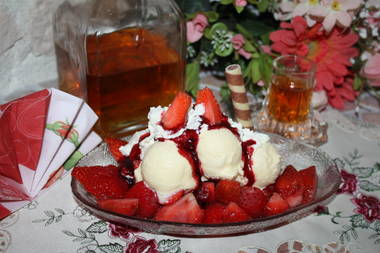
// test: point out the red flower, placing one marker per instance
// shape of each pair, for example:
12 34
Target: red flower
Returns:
124 232
368 206
142 245
331 52
349 184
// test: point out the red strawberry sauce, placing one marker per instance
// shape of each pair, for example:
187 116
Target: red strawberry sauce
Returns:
187 144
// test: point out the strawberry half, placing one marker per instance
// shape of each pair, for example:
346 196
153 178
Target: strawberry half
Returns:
309 179
185 210
214 213
213 114
252 200
227 191
276 204
148 200
288 182
104 182
234 213
176 114
205 194
122 206
113 146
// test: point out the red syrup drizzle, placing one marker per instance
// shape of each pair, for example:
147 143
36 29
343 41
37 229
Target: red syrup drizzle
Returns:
187 143
131 162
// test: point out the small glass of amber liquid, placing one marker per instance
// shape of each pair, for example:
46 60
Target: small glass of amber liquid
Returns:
287 107
290 92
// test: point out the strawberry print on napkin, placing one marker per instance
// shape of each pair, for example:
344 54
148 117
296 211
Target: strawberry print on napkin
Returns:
39 134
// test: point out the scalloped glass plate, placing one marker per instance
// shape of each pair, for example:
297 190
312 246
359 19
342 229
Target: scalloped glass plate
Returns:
292 152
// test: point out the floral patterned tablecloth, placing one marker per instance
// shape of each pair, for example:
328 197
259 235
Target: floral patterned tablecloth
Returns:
350 223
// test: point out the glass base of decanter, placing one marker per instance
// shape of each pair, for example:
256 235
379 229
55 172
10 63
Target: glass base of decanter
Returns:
312 131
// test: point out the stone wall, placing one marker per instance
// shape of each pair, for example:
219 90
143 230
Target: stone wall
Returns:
27 58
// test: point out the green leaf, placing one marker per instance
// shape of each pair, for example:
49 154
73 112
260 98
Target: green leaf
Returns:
256 27
215 27
368 186
241 29
192 77
169 246
212 16
112 248
68 233
249 47
263 5
265 68
358 82
363 172
223 52
225 2
239 9
357 220
97 227
255 70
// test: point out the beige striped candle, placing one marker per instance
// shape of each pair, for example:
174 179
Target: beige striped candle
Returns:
239 97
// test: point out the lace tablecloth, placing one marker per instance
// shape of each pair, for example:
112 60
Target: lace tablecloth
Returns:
350 223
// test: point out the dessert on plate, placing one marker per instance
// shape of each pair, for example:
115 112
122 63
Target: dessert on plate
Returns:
193 164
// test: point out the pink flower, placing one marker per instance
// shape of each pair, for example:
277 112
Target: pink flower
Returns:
122 231
240 3
371 70
195 27
335 12
331 52
349 183
368 206
142 245
238 42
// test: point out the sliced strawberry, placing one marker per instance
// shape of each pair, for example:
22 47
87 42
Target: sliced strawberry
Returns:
227 191
122 206
104 182
173 198
276 204
309 179
205 194
253 201
213 114
214 213
234 213
185 210
148 200
296 198
175 116
113 146
269 190
288 182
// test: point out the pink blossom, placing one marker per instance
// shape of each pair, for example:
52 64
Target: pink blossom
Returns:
196 27
368 206
238 42
349 183
122 231
335 12
142 245
240 3
371 70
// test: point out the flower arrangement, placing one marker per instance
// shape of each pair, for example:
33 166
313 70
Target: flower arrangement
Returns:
341 36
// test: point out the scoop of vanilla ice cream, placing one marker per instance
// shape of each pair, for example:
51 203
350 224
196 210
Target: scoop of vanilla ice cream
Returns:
220 154
165 170
266 167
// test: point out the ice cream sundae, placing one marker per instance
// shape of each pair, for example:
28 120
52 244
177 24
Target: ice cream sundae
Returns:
193 164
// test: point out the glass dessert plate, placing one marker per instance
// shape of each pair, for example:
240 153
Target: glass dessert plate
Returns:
297 154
